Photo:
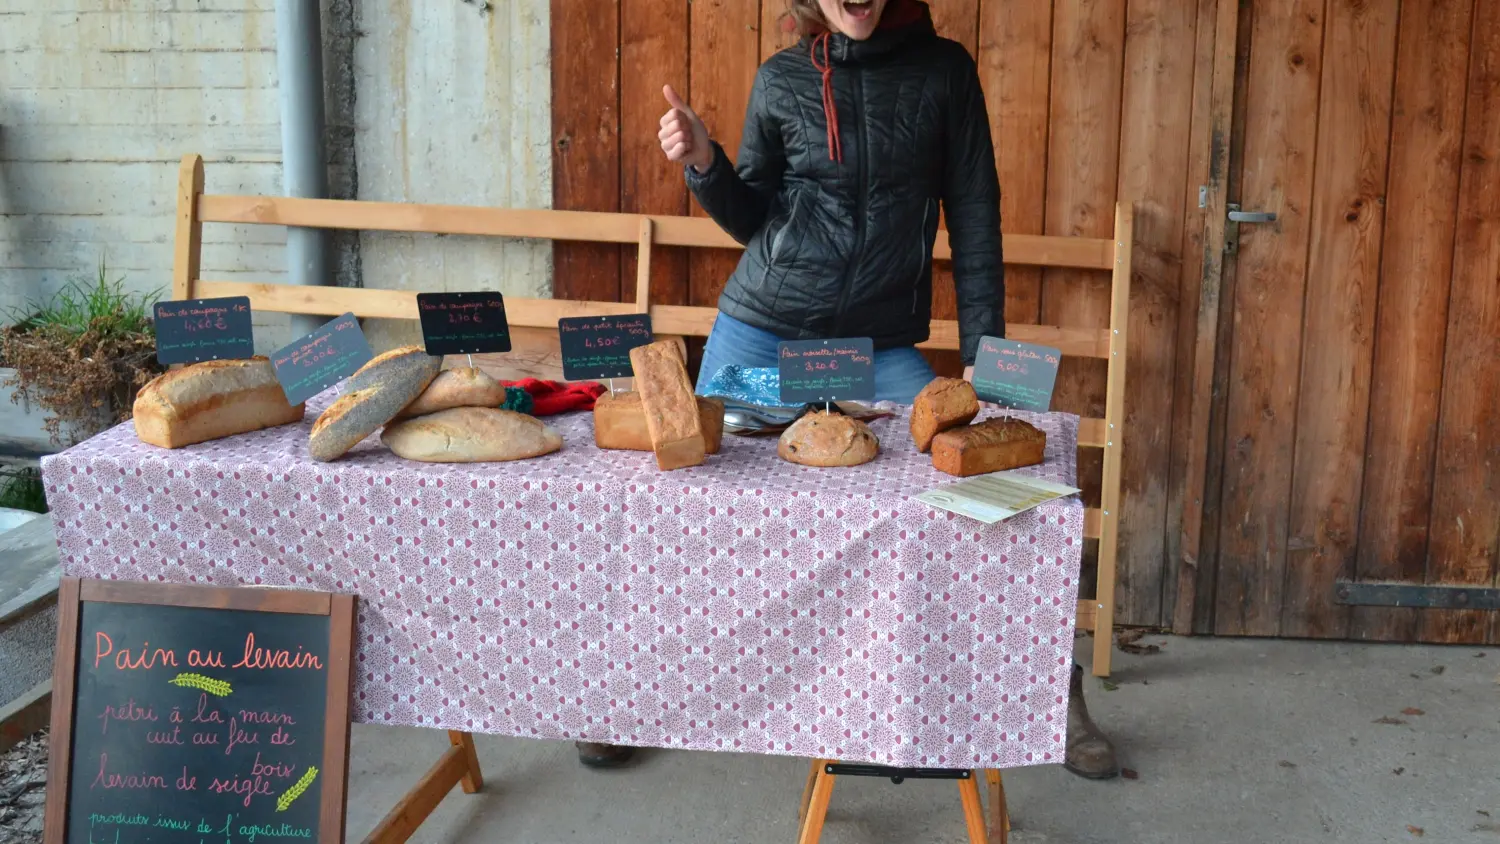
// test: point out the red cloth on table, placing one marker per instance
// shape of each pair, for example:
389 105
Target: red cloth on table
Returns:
552 397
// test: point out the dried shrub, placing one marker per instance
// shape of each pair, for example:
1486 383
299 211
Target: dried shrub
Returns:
83 356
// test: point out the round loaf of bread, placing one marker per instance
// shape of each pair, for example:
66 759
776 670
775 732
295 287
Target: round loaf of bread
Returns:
371 397
828 439
463 386
471 435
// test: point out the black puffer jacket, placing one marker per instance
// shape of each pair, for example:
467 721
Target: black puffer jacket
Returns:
844 247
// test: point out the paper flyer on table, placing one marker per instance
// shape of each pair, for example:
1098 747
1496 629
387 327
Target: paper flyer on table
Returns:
996 496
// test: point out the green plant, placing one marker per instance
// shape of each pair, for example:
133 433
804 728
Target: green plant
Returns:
82 355
21 489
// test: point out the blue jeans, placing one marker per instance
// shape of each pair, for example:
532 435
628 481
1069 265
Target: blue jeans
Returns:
899 373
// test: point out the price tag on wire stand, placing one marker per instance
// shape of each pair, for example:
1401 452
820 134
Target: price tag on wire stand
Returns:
826 370
463 323
195 330
1016 375
321 358
596 348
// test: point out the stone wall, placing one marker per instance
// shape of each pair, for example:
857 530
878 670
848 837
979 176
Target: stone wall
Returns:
435 101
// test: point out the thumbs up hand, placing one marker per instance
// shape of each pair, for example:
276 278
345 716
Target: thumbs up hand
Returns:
683 136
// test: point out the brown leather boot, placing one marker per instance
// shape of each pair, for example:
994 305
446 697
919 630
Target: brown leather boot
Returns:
595 755
1090 753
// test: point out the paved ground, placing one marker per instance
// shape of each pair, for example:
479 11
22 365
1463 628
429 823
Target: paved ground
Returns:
1232 741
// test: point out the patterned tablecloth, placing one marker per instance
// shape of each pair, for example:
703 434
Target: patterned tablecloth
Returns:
747 605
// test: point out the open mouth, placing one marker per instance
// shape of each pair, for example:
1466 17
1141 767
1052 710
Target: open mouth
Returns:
859 9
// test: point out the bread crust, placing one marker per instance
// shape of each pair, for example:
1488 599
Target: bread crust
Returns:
943 404
671 409
993 445
620 423
828 440
211 400
471 435
371 397
463 386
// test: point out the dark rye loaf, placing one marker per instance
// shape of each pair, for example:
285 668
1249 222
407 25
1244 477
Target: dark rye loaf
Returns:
371 397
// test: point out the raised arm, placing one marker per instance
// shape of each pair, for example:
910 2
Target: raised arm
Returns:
971 206
737 196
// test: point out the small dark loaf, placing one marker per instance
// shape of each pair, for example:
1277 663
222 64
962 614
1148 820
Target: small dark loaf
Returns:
944 403
371 397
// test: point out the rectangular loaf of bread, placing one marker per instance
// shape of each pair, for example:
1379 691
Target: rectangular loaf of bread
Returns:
620 422
993 445
210 400
671 409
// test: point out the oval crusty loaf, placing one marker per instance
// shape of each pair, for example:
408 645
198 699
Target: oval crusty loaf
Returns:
828 439
471 435
371 397
464 386
944 403
210 400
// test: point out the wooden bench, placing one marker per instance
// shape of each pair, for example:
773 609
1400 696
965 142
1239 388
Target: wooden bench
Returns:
534 321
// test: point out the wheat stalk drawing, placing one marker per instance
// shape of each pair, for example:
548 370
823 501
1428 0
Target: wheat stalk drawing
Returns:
207 684
296 790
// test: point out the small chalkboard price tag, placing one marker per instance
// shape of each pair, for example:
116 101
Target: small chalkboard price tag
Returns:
599 347
199 714
1015 375
463 323
827 370
193 330
321 358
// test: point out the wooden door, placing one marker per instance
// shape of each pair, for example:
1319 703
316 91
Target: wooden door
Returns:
1350 434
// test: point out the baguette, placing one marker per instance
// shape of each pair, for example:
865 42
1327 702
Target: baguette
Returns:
471 435
461 387
372 397
620 423
828 439
944 403
210 400
671 409
993 445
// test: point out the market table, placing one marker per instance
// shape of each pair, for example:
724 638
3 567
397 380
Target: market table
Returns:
748 604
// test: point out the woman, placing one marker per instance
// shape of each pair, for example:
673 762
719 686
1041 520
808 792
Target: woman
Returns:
851 141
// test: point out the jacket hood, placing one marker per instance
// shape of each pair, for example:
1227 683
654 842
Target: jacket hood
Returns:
902 22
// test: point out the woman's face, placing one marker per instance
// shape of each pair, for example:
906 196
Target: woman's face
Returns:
856 19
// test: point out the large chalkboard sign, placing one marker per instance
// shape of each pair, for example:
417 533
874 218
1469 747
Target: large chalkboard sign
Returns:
321 358
195 714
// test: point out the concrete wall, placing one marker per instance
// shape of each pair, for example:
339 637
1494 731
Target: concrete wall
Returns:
428 100
454 107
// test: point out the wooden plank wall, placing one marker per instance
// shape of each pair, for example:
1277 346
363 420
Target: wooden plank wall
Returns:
1058 78
1358 346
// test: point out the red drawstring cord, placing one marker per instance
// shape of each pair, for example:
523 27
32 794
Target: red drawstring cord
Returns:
830 110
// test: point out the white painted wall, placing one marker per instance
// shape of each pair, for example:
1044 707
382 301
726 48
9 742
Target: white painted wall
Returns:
100 98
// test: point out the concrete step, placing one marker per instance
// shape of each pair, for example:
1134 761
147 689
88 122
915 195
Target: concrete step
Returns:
28 624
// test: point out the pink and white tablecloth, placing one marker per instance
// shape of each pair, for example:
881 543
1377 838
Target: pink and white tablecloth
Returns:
744 605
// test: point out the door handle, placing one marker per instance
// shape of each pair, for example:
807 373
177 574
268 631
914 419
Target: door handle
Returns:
1232 228
1252 216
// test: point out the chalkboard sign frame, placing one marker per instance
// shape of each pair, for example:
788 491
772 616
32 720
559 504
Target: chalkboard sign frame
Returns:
567 327
74 592
789 352
239 329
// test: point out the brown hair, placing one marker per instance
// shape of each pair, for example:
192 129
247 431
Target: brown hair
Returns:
803 17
